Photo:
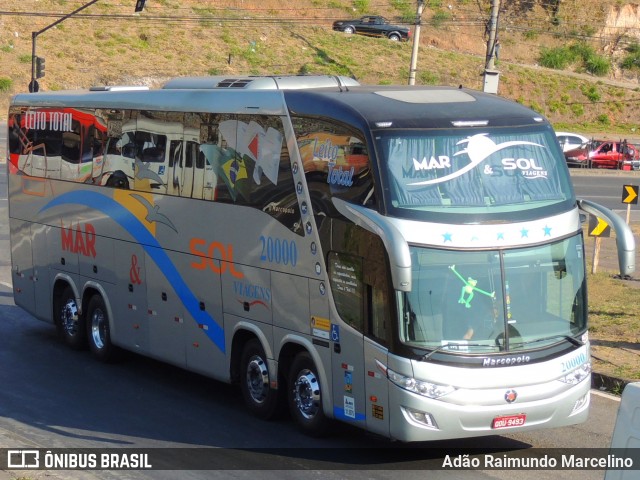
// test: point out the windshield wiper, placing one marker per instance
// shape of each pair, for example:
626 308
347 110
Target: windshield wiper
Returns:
441 347
568 338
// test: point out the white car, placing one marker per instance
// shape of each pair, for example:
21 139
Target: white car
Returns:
569 141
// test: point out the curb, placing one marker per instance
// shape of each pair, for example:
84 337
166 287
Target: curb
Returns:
613 385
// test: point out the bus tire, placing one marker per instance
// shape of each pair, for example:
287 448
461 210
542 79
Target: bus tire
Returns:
305 396
69 321
98 332
255 382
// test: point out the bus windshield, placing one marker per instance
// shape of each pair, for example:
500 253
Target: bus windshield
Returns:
490 301
488 171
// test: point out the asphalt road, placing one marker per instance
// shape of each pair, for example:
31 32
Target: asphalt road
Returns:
53 397
606 187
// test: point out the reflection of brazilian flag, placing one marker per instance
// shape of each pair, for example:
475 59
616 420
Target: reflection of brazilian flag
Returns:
236 176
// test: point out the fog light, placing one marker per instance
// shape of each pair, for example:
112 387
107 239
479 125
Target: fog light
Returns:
580 403
423 419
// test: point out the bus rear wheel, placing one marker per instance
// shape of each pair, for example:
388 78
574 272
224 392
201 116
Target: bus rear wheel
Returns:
98 331
261 400
69 321
305 396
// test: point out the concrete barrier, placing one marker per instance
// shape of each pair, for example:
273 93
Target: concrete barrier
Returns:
626 434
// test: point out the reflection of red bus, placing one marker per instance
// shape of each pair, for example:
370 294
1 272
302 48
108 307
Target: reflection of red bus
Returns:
60 143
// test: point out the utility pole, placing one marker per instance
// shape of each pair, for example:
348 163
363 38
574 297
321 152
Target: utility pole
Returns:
416 44
491 75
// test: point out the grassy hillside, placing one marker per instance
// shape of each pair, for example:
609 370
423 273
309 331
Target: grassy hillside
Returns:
108 44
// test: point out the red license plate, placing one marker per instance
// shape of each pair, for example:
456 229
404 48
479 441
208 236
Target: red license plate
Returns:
509 421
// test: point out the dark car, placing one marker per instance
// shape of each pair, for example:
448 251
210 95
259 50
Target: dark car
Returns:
603 154
373 25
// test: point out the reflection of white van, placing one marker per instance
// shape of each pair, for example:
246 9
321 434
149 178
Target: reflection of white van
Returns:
163 157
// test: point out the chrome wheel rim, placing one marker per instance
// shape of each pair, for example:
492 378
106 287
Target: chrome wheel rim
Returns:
69 318
98 328
257 379
306 394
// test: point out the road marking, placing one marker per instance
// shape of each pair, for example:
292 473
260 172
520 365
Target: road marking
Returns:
8 285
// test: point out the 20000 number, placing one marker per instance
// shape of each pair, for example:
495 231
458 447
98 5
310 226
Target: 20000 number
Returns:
275 250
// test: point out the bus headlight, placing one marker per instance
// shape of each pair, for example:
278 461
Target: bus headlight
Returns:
576 376
426 389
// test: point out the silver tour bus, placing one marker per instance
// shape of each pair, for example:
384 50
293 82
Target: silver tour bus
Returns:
409 260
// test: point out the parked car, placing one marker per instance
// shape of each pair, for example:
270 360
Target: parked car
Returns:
603 154
373 25
569 141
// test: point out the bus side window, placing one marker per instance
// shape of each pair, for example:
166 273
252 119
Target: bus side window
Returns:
253 168
345 276
378 309
336 160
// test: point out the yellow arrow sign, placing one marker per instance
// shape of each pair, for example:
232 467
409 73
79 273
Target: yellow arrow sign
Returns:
632 194
599 230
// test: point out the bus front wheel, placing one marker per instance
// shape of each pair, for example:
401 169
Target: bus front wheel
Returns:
259 397
98 330
68 320
305 396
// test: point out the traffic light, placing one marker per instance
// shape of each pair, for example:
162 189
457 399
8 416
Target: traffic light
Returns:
39 67
140 5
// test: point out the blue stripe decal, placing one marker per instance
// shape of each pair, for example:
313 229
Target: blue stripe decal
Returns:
148 242
339 414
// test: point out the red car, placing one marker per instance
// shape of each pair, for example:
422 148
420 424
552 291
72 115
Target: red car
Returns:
602 154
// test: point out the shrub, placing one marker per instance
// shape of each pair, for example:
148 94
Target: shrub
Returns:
558 106
5 84
440 17
429 78
603 119
361 6
591 92
598 65
631 60
406 9
556 58
536 106
577 109
581 50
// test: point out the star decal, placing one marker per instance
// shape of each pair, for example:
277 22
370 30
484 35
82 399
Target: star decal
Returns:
447 237
524 233
500 236
547 231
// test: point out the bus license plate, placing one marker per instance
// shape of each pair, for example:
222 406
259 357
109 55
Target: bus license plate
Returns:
509 421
